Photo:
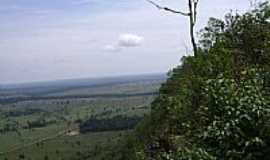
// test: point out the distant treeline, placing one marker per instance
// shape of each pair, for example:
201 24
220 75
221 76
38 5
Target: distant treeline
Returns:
18 113
11 100
44 88
111 124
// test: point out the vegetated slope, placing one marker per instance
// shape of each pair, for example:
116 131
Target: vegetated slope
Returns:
215 105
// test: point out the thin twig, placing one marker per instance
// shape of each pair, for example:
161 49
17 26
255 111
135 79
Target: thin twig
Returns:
168 9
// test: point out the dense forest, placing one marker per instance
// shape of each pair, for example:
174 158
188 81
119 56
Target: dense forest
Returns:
112 124
215 105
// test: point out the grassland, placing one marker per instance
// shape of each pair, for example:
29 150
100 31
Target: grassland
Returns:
46 129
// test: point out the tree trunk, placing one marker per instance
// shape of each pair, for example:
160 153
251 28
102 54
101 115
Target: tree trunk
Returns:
192 17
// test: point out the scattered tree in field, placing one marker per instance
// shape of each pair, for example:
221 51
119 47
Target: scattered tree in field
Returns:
46 157
21 156
57 152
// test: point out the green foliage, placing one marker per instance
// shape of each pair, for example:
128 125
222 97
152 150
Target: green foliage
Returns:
197 154
215 105
236 118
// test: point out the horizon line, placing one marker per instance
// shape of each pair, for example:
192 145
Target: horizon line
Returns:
81 78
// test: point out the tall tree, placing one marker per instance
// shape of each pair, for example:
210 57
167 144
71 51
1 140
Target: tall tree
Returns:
192 14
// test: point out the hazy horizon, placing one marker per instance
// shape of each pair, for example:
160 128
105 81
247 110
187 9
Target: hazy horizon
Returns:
83 78
71 39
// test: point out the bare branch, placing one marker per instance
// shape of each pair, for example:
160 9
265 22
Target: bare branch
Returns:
195 11
168 9
192 14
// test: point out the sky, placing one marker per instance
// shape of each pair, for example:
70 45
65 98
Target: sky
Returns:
43 40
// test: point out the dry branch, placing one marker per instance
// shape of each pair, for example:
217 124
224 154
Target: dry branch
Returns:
168 9
192 14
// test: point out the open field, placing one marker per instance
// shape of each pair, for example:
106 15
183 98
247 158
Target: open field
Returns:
74 123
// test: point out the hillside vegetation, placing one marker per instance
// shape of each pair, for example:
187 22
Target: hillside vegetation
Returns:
214 106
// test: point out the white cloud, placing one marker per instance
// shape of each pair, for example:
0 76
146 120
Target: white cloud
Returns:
130 40
112 48
125 41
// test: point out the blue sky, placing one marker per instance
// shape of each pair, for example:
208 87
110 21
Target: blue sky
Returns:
60 39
